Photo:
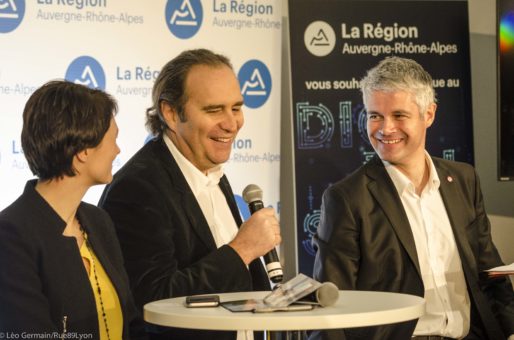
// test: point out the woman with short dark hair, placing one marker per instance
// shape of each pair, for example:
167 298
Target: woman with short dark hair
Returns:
61 268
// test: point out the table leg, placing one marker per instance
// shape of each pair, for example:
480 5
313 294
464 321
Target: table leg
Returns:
286 335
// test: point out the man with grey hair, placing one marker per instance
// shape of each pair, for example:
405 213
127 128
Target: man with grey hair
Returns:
174 211
411 223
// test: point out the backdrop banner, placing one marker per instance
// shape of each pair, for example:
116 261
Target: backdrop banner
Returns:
333 43
120 47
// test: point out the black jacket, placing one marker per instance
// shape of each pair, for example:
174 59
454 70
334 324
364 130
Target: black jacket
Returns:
167 244
43 282
364 242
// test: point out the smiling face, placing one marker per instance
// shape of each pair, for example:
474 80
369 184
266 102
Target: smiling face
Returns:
213 116
396 129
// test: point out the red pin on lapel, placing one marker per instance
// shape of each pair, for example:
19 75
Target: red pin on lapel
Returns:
450 179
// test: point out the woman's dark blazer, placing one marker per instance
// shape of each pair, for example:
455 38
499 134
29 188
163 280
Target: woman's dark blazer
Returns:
44 287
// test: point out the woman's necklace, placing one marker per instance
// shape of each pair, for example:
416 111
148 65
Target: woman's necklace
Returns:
98 289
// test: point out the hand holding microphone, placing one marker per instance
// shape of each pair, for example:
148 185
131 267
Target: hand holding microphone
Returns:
259 235
252 195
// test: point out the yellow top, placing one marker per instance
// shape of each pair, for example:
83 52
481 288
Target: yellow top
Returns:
109 297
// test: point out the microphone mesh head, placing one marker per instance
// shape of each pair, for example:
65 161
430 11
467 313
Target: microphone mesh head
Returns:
327 294
252 193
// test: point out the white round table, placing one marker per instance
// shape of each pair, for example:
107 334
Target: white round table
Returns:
353 309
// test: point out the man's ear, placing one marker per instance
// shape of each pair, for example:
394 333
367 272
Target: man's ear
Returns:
170 115
430 114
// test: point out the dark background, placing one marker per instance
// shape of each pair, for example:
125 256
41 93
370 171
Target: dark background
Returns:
315 169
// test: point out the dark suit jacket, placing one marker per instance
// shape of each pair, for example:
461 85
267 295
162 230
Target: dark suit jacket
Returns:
167 244
42 275
364 242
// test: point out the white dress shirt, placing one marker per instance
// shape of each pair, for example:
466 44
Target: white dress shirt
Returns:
447 311
213 203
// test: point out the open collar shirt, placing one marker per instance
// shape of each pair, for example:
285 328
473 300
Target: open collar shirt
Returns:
447 300
212 201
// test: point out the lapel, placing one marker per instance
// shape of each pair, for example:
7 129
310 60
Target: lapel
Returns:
73 282
100 249
450 192
181 190
383 190
229 196
260 279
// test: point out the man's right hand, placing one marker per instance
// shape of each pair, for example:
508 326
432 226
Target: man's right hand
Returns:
257 236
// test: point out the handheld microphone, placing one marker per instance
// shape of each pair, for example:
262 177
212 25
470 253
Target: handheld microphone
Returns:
252 195
326 295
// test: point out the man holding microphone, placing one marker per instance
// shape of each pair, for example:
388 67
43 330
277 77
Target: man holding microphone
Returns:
173 208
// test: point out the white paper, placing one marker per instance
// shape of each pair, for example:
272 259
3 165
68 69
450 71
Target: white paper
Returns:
506 268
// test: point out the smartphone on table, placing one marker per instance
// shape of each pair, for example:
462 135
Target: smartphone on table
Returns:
202 301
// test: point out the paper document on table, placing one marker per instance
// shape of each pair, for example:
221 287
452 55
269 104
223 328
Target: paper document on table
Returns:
283 299
291 291
501 271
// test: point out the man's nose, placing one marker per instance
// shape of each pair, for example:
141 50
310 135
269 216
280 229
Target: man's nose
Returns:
232 121
388 126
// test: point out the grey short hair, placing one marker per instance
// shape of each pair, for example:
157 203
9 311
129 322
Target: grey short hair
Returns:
400 74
